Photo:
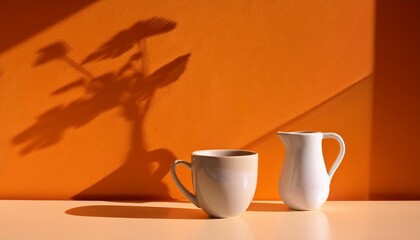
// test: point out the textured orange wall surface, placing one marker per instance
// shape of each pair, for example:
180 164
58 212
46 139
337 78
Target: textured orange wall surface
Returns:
395 160
98 98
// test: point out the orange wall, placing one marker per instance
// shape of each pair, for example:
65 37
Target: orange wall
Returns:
395 160
99 97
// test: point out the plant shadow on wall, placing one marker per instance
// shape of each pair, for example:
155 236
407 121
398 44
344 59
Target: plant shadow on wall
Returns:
129 88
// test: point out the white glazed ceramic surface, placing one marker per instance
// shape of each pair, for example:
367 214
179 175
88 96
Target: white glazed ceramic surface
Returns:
224 180
304 181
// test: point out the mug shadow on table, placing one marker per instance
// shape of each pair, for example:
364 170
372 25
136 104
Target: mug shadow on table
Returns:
112 211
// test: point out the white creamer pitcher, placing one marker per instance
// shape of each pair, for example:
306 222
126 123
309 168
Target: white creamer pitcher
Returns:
304 182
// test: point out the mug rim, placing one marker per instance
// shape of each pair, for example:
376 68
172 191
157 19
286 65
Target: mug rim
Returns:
212 153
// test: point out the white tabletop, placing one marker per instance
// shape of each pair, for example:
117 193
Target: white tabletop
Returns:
178 220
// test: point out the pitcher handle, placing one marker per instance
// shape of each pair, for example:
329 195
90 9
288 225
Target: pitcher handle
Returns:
178 183
340 154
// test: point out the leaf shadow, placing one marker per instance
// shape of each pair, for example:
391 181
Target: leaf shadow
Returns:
128 38
131 90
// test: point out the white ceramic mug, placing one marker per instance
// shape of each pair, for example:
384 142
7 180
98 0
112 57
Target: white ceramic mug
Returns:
224 180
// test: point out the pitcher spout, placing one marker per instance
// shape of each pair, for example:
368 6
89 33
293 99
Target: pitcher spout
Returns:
281 134
299 136
284 137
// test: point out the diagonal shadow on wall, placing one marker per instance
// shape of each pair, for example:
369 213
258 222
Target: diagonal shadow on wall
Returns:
347 113
308 111
21 19
129 88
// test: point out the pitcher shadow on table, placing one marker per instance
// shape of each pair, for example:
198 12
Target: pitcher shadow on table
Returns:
131 89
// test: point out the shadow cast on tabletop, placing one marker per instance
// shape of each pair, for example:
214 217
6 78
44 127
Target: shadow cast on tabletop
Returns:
112 211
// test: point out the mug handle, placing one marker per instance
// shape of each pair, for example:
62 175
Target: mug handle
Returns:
340 154
178 183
